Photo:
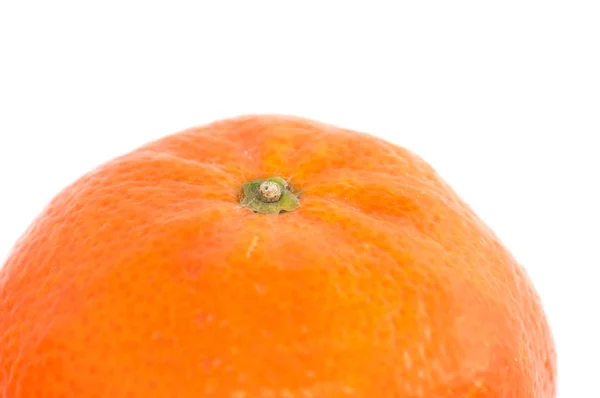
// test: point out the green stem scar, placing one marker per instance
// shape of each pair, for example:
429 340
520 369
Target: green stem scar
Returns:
269 196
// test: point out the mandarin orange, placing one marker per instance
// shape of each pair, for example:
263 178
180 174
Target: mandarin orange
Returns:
268 256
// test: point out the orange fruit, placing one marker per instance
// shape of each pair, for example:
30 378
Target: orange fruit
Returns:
268 256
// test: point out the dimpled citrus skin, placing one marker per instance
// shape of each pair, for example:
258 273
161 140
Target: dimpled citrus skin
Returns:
146 278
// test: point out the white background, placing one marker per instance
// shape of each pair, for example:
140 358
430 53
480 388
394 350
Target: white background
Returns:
503 98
